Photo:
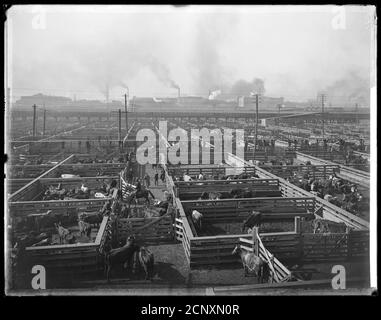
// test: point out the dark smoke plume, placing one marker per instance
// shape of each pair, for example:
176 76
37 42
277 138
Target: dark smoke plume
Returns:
351 89
245 88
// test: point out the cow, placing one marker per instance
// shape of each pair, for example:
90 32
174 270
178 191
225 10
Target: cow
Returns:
84 228
120 255
328 226
92 218
253 220
196 218
62 232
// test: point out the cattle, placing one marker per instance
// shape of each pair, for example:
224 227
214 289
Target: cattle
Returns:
253 264
197 218
120 255
92 218
84 189
328 226
32 239
253 220
210 196
62 232
84 228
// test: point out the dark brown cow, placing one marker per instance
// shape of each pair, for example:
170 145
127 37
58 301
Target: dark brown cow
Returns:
253 220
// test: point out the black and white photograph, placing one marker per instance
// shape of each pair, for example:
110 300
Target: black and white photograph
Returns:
197 150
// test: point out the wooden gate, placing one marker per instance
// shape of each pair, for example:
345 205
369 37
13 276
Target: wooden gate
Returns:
178 226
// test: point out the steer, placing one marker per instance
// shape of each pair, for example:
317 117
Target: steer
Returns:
62 232
196 218
93 218
253 220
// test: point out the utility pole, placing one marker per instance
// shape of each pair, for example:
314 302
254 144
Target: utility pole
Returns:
120 127
44 123
256 121
34 120
322 112
279 107
125 110
357 113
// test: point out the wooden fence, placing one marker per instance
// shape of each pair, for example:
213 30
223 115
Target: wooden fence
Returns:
91 182
272 209
68 260
23 208
290 247
209 170
316 172
261 187
161 228
82 169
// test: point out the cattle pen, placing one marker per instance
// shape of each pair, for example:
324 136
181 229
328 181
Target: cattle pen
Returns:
186 254
291 246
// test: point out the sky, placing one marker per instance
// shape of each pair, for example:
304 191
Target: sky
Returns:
152 50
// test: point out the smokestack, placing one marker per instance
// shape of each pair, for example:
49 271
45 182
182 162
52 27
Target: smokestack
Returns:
178 94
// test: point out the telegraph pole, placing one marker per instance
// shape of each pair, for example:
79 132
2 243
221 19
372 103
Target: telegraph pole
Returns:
357 113
120 127
322 112
256 121
34 120
279 107
125 110
44 123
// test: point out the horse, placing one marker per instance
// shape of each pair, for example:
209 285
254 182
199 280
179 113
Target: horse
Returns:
253 220
139 194
252 264
146 260
120 255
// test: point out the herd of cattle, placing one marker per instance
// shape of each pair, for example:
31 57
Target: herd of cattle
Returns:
339 192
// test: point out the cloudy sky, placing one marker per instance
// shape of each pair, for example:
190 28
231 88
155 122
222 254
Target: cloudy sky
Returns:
78 50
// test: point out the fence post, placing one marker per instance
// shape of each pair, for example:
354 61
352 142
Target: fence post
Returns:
254 233
349 245
297 225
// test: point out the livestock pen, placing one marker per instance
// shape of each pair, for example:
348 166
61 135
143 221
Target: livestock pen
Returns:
62 263
296 244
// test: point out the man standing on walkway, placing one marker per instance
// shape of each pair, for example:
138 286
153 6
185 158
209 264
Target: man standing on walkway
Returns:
162 176
156 178
147 180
